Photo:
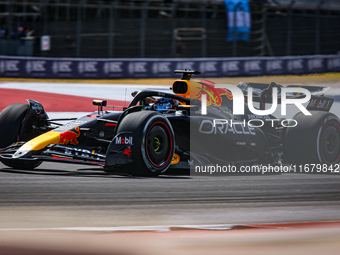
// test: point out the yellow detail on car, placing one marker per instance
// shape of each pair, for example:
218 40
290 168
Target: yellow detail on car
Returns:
176 158
41 141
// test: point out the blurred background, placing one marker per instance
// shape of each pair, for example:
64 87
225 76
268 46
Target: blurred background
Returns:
168 28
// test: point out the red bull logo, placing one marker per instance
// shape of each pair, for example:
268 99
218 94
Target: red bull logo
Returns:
69 137
229 95
213 94
127 152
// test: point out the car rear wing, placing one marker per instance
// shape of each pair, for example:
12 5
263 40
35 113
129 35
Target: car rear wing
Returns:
262 93
320 103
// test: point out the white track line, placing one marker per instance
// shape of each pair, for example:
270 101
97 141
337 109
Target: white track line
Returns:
138 228
102 91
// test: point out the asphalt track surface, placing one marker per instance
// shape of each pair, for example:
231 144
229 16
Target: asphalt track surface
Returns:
60 195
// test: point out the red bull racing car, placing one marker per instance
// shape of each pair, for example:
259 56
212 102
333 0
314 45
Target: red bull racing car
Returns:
159 130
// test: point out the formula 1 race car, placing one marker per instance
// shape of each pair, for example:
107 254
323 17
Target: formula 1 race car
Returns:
177 129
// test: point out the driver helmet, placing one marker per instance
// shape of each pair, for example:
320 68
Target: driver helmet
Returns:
165 103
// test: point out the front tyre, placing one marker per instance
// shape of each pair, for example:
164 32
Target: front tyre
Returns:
11 124
11 120
154 142
315 139
21 164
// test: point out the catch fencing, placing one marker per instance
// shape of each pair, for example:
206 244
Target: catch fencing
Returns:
167 28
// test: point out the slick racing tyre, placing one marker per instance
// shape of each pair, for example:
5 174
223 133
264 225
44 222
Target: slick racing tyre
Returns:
21 164
11 119
11 122
153 145
315 139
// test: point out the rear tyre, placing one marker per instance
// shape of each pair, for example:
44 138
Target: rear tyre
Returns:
11 122
154 142
315 139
